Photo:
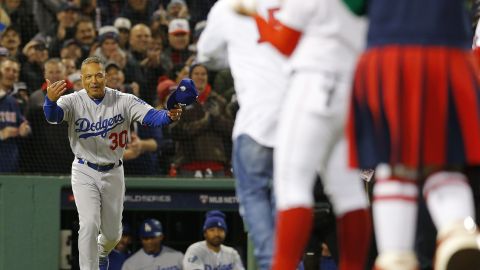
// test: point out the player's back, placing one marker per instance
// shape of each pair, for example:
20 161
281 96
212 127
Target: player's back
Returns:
257 68
420 22
332 37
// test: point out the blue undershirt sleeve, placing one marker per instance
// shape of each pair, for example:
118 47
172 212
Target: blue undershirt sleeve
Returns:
53 113
156 118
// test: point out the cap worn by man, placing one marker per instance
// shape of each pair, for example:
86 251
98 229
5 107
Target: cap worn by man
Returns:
178 26
107 32
122 23
150 228
215 219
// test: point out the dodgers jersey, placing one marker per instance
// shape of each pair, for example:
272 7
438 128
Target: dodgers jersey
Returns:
168 259
332 37
257 68
199 257
99 132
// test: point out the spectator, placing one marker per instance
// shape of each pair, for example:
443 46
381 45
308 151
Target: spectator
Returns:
141 155
178 41
70 65
4 54
177 9
109 49
12 125
116 80
10 39
85 35
203 132
122 251
36 53
139 11
21 17
76 79
47 141
153 255
140 38
71 49
110 9
44 14
9 75
144 61
64 28
123 25
88 8
211 253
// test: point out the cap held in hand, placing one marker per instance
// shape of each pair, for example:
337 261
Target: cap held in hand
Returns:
185 94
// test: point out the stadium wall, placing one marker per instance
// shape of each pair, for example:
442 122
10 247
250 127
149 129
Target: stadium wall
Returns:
30 209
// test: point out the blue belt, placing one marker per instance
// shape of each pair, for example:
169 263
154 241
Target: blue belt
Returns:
100 168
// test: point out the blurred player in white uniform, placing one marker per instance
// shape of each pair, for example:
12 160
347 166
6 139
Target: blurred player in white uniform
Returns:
211 253
322 39
98 129
260 87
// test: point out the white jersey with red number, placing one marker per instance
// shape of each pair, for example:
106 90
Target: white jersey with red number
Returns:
99 132
325 23
257 69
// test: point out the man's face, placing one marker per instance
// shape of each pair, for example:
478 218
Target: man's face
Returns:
93 79
152 245
9 73
37 54
200 77
114 78
10 40
85 33
69 65
67 18
54 72
71 51
140 37
214 236
109 46
174 9
179 41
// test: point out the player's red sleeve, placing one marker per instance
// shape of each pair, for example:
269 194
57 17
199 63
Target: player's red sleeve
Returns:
282 37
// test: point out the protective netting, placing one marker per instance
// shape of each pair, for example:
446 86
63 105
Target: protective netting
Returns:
148 47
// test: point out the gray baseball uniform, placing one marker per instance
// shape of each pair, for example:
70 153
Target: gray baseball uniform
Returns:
168 259
199 257
98 135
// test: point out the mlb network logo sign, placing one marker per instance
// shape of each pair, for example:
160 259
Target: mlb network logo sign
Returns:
204 199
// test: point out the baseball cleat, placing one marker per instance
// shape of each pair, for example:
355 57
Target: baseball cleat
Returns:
458 247
400 260
103 263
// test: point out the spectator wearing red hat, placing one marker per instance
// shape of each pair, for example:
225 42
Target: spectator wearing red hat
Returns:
178 41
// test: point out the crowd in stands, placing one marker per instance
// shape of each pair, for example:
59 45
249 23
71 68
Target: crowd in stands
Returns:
148 47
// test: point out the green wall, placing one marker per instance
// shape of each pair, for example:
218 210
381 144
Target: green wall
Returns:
30 216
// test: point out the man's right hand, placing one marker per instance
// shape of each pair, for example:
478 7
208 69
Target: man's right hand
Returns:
55 90
8 132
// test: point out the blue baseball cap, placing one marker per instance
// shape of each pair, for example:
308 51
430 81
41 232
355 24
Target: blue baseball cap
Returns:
185 94
150 228
215 218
